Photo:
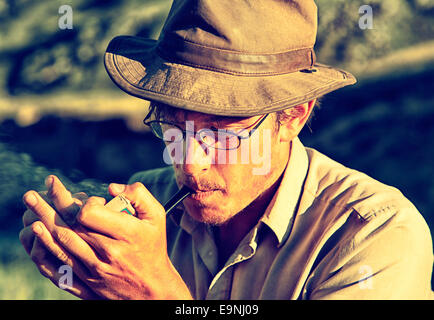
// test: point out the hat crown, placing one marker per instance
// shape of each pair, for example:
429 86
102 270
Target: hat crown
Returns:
253 37
249 26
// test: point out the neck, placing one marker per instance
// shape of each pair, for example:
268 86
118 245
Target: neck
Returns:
229 235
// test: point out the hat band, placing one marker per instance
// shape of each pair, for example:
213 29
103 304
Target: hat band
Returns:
234 62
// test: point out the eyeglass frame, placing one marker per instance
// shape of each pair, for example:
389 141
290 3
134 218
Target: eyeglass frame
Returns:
184 132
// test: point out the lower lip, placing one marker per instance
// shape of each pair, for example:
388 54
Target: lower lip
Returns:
201 195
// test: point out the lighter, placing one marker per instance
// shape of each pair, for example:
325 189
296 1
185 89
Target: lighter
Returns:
122 204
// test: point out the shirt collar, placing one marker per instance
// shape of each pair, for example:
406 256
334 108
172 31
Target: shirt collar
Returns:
281 209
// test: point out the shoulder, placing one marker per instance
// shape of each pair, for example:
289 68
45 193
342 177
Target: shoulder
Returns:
160 182
337 185
335 190
365 225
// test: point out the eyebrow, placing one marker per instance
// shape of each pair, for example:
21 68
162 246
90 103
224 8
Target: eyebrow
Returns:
215 119
225 119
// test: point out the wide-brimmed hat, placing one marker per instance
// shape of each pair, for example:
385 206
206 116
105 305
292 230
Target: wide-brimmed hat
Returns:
227 57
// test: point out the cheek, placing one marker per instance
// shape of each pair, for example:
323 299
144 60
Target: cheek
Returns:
241 185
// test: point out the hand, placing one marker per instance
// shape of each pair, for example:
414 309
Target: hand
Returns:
114 254
50 260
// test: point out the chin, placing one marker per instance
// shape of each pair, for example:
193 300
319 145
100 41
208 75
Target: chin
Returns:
211 216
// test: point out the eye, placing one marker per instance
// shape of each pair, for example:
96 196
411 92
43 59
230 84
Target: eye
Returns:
173 134
208 136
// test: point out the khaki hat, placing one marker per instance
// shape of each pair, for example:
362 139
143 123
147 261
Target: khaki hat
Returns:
227 57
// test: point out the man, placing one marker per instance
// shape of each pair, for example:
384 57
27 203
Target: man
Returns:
232 83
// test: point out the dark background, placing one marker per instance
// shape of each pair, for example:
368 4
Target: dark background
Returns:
60 113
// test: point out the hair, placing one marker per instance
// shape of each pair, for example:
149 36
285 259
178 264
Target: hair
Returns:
284 115
161 111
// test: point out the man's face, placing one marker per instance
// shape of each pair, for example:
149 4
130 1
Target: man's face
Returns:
227 181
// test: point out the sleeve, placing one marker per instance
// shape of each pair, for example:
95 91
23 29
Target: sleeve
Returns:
391 257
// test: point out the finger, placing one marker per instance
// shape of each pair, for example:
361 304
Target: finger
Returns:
115 189
61 232
145 204
27 237
97 241
29 217
95 201
78 288
50 268
95 216
62 199
64 257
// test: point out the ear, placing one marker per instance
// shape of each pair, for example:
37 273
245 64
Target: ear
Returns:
295 121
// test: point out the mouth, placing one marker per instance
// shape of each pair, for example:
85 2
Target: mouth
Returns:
199 195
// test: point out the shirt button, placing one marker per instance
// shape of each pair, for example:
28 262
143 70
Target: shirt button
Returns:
247 250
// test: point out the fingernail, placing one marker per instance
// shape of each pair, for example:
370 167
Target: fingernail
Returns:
118 188
48 182
30 199
37 230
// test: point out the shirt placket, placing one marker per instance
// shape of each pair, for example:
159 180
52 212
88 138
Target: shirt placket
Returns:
220 287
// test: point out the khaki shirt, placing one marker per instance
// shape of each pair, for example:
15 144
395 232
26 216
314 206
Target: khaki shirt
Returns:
330 232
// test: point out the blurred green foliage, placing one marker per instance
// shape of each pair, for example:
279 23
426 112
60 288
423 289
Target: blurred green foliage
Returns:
19 172
36 56
397 24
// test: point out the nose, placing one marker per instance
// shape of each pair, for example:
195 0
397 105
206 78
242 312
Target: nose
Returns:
197 157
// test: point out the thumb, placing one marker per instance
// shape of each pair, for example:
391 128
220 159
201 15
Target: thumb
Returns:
116 188
144 203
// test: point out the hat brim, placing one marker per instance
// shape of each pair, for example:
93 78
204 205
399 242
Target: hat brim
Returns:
134 65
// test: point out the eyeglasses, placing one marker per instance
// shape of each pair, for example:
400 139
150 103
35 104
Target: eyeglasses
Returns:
221 139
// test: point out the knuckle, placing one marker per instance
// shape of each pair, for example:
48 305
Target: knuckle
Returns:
62 256
112 253
138 191
99 268
95 201
85 211
63 236
109 253
137 186
80 217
